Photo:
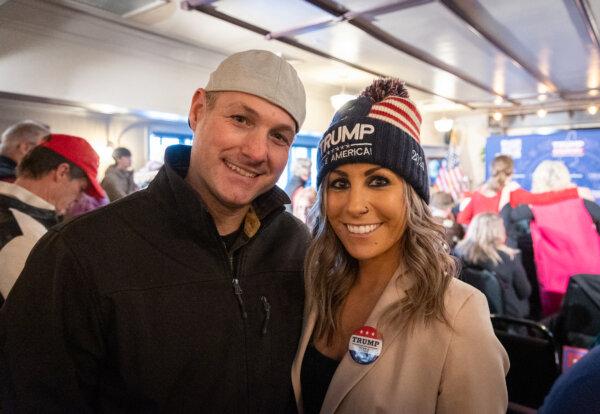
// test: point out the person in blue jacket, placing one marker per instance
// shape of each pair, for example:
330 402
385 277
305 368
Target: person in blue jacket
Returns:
576 391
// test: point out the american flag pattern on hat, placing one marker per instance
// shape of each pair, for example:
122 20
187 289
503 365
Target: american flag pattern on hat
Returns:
400 112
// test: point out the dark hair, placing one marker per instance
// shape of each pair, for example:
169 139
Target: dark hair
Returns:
120 152
41 160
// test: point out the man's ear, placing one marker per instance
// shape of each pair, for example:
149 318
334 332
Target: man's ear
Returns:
197 108
62 172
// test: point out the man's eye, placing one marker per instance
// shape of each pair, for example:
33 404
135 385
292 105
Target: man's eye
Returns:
280 137
378 181
239 118
339 184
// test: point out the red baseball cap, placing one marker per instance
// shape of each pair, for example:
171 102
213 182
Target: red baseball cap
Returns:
79 152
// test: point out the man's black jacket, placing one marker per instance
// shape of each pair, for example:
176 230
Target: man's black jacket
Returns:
138 306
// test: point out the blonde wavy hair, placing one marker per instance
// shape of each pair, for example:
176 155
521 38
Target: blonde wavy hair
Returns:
550 176
485 236
331 271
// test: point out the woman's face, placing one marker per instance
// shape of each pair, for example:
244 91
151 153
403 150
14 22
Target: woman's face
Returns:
365 206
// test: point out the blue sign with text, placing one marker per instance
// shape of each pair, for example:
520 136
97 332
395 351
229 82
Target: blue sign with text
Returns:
579 149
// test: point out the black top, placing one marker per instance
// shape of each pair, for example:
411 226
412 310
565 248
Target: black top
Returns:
315 376
7 169
513 282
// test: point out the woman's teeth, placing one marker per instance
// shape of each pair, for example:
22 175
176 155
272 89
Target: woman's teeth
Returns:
362 229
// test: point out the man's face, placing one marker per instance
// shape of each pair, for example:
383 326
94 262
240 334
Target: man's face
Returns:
124 163
240 148
66 194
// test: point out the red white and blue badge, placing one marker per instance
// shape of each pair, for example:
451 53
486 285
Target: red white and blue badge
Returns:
365 345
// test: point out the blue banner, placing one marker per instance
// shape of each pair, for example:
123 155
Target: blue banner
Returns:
578 149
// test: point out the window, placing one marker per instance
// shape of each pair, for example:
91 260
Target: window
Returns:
305 146
159 141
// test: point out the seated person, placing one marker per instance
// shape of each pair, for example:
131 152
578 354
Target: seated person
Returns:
484 247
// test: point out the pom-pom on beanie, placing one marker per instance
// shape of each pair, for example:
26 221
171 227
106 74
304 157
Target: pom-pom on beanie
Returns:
382 127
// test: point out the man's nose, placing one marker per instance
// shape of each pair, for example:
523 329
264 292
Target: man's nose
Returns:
256 146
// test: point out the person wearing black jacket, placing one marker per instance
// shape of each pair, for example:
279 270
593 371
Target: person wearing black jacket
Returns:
484 248
183 297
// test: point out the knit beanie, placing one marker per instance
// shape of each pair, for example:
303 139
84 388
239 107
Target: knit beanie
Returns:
381 127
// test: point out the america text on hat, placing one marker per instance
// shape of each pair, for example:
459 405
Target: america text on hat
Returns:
352 152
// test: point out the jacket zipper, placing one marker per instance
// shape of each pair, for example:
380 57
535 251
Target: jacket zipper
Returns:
237 289
267 309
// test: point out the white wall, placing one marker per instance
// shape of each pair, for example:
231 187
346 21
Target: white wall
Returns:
98 129
55 52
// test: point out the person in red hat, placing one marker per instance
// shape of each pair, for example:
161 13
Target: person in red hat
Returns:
49 178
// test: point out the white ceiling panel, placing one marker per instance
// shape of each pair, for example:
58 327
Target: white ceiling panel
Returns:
123 7
595 10
273 15
346 42
361 5
551 33
458 46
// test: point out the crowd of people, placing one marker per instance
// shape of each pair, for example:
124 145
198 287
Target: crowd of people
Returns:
200 293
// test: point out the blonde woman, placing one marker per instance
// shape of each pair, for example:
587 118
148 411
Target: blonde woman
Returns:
552 175
484 247
388 329
558 233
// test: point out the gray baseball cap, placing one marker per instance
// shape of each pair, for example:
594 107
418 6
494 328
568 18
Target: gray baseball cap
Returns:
266 75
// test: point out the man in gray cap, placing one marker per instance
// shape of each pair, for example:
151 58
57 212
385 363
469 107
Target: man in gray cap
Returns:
189 295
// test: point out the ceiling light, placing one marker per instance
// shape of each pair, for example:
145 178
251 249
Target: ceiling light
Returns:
542 112
498 100
337 101
443 124
163 116
542 97
497 116
107 109
592 109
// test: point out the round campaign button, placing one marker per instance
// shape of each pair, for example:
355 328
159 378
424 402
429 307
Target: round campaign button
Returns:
365 345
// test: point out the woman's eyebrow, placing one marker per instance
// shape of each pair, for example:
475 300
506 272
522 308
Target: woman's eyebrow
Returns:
340 172
372 170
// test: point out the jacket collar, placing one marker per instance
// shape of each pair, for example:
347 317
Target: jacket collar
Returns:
17 197
25 196
7 162
171 189
349 373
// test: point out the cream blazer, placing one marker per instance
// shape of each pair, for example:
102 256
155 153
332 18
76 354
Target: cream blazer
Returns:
434 369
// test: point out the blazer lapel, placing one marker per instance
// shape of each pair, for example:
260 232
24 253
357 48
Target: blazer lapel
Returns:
349 373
